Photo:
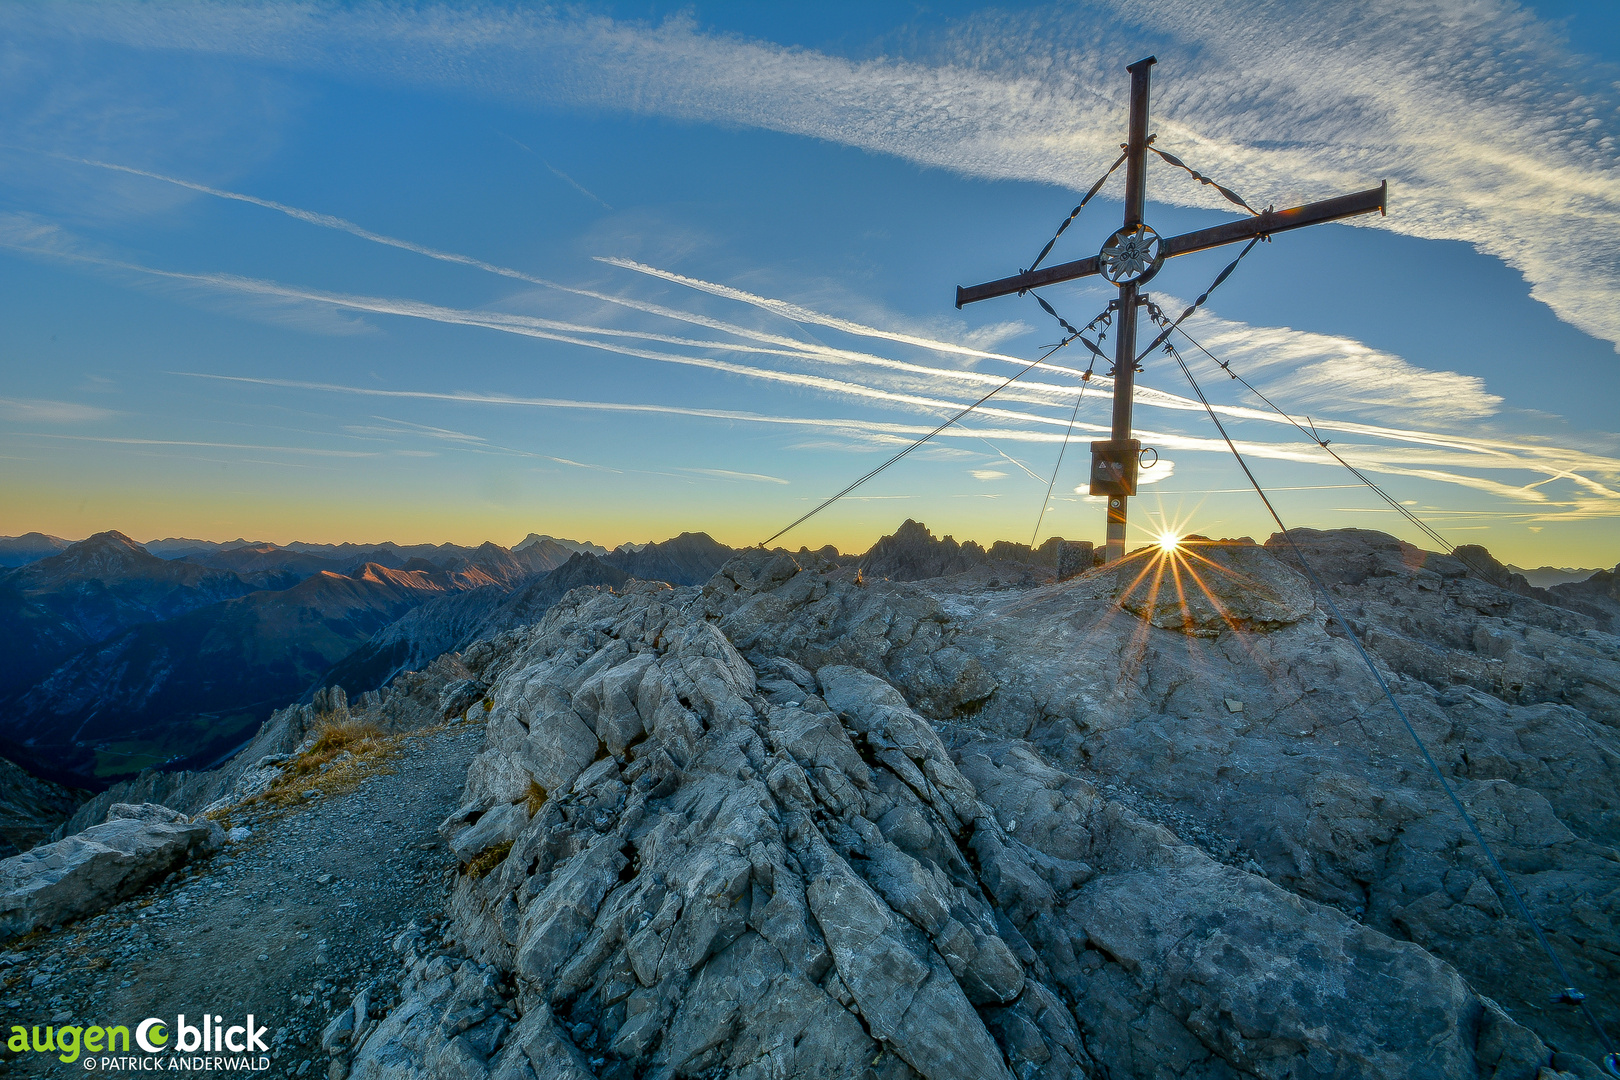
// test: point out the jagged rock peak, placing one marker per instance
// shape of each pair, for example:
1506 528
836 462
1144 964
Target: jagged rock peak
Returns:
1486 566
687 862
105 548
911 553
688 559
110 557
573 545
1598 596
584 568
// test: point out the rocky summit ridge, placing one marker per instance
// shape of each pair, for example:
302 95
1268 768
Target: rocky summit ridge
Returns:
801 824
118 659
1152 821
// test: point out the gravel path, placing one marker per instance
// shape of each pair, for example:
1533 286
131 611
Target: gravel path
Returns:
287 924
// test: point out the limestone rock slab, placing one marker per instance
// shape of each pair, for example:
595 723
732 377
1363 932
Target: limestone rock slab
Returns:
90 871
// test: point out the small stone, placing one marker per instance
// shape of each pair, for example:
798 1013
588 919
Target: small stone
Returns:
1233 705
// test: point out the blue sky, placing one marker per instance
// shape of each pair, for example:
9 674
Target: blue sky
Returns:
462 273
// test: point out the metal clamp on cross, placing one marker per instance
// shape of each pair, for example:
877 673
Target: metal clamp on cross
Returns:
1129 258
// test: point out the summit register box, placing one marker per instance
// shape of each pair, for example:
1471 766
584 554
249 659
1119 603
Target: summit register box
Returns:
1113 466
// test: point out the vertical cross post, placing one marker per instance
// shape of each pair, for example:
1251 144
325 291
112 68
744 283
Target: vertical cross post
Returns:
1125 317
1129 259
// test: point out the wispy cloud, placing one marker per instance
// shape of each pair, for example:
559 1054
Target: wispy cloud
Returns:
1323 369
1334 370
36 410
31 235
1316 371
576 185
1427 463
728 474
310 450
1162 471
390 426
34 233
66 92
558 173
808 316
458 441
1417 453
571 463
1487 126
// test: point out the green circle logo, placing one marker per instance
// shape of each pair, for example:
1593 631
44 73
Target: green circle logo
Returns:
151 1035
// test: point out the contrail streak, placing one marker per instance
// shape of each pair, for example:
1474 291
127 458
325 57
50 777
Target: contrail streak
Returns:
1274 451
799 314
1507 454
331 221
796 313
210 445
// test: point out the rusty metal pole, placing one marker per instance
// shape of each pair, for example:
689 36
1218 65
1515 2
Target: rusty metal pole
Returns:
1125 317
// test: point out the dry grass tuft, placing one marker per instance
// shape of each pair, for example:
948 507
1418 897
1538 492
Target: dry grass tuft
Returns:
535 799
488 861
343 753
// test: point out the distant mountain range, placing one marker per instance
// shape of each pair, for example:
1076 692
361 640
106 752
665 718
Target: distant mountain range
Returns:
551 543
453 622
29 547
1545 577
90 591
278 566
447 623
121 657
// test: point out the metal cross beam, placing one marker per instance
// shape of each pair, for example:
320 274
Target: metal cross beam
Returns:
1268 223
1129 258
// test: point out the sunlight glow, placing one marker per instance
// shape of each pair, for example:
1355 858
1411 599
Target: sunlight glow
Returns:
1168 541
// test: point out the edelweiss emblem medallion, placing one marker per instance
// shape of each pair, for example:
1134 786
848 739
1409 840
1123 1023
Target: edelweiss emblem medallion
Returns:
1133 254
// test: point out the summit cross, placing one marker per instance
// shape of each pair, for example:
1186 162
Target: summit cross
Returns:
1129 258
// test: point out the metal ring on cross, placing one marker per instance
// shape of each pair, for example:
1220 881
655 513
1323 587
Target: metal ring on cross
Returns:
1131 255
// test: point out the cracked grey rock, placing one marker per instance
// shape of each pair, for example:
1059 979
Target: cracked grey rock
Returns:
92 870
795 869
